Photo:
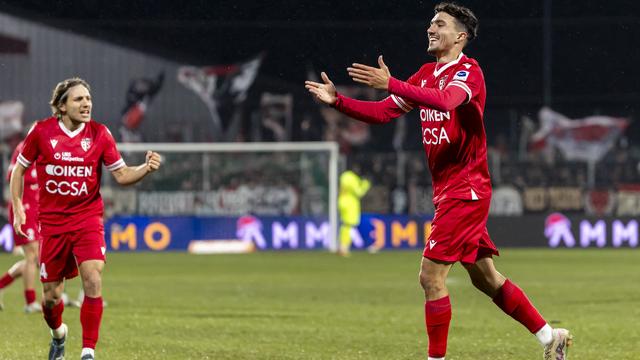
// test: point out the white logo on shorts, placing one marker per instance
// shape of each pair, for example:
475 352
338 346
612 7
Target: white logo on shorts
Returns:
103 249
432 243
43 271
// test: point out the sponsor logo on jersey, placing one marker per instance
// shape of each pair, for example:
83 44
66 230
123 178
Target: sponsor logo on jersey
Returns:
430 115
68 170
461 75
66 188
85 143
66 156
54 142
435 136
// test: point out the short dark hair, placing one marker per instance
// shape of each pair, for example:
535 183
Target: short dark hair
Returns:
463 15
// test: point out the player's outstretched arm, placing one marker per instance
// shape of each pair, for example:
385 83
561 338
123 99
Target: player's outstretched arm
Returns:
16 186
325 91
380 78
129 175
377 78
372 112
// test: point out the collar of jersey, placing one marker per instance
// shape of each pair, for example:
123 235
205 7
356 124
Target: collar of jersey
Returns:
437 72
69 132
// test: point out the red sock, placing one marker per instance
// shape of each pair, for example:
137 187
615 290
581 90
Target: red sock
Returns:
437 315
90 317
53 316
29 296
5 280
512 300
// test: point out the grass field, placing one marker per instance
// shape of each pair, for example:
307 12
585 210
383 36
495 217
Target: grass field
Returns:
307 305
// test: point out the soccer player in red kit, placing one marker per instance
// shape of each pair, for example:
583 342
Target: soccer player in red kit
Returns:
450 96
68 150
26 268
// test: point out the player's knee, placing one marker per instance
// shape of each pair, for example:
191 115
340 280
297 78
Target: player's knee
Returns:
480 284
92 279
92 283
31 257
51 298
431 284
19 266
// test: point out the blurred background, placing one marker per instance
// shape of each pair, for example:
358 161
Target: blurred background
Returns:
561 113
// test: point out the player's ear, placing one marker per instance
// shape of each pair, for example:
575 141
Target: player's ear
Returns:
462 36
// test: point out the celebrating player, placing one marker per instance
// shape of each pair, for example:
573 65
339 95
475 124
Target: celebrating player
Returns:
450 95
69 150
27 268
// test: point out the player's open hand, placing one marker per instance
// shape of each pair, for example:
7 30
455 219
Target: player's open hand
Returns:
375 77
325 92
153 161
19 219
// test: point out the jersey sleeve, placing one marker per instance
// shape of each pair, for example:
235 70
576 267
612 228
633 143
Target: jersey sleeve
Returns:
112 158
372 112
468 78
30 147
405 104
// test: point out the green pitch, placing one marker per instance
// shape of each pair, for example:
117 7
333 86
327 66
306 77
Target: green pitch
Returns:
320 306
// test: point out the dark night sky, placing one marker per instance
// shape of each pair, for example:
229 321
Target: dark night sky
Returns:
594 60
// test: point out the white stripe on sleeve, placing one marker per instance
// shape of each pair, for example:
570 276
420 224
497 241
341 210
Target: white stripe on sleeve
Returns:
116 165
401 103
463 86
23 161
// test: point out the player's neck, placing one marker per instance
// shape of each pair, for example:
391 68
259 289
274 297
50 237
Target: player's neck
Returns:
448 56
70 124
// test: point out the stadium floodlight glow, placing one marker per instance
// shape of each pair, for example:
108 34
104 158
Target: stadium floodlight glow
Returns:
304 171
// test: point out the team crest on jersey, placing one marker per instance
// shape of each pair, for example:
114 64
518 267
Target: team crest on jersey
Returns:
54 142
85 143
442 81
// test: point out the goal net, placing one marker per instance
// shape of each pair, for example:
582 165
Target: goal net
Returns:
271 195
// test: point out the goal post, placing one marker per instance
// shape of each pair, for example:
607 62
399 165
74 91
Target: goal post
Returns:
234 179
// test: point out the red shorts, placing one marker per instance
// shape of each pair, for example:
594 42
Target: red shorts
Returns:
31 228
459 232
61 254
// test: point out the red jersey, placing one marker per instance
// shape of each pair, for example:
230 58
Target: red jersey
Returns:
69 169
455 141
453 134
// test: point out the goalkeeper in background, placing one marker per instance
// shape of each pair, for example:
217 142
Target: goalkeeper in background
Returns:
352 188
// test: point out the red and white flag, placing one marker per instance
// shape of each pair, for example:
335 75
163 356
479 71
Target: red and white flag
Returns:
587 139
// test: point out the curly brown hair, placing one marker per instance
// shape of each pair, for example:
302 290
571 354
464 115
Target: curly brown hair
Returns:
463 15
60 92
